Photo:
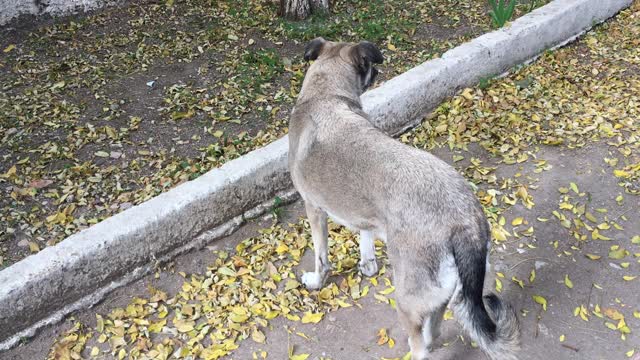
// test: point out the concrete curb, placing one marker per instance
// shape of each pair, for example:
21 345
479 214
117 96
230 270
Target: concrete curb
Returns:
11 9
77 272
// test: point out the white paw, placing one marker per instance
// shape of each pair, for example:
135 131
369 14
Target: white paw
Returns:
312 280
369 267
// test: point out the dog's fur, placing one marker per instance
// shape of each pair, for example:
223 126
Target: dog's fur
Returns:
436 233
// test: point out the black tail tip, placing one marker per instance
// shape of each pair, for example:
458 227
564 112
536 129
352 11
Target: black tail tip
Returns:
493 303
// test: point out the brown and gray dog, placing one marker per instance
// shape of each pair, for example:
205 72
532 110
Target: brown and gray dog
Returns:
435 230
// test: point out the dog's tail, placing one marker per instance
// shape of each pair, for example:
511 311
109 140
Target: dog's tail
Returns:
492 323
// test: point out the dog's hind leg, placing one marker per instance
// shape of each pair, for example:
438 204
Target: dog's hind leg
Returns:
434 322
319 233
412 321
368 265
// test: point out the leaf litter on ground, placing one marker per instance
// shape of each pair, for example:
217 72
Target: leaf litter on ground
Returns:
584 93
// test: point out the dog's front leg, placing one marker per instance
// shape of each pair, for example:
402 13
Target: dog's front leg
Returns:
319 233
368 264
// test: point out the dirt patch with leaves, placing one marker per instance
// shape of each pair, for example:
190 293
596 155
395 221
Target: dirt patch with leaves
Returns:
512 138
102 112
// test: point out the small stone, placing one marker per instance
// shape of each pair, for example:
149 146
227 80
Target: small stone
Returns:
115 154
23 243
539 264
125 205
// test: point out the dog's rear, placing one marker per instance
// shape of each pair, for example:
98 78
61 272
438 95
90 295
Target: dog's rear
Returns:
436 232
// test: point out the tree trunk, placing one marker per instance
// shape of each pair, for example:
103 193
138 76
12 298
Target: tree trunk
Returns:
301 9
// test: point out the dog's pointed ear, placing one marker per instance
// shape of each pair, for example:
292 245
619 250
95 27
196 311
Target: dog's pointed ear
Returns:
314 48
364 54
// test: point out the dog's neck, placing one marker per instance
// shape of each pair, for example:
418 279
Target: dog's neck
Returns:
321 85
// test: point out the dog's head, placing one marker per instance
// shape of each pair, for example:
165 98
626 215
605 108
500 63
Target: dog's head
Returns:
359 58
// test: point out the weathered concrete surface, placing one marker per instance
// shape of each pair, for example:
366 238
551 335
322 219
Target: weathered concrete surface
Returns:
62 278
422 88
10 9
350 333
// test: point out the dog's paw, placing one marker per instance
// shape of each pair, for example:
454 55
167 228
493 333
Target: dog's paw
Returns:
312 280
369 267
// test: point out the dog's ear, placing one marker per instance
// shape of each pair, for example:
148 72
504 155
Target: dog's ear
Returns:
314 48
363 56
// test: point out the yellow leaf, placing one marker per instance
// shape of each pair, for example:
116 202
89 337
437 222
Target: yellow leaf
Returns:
299 357
499 233
238 318
383 338
604 226
568 282
540 300
621 173
12 171
593 257
312 318
467 94
617 254
291 284
610 326
156 327
9 48
95 351
183 326
595 235
518 281
391 47
629 278
574 187
590 217
613 314
562 338
630 353
517 221
226 271
448 315
258 336
34 247
282 248
498 285
387 291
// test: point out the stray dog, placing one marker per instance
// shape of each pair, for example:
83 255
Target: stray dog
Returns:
436 233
